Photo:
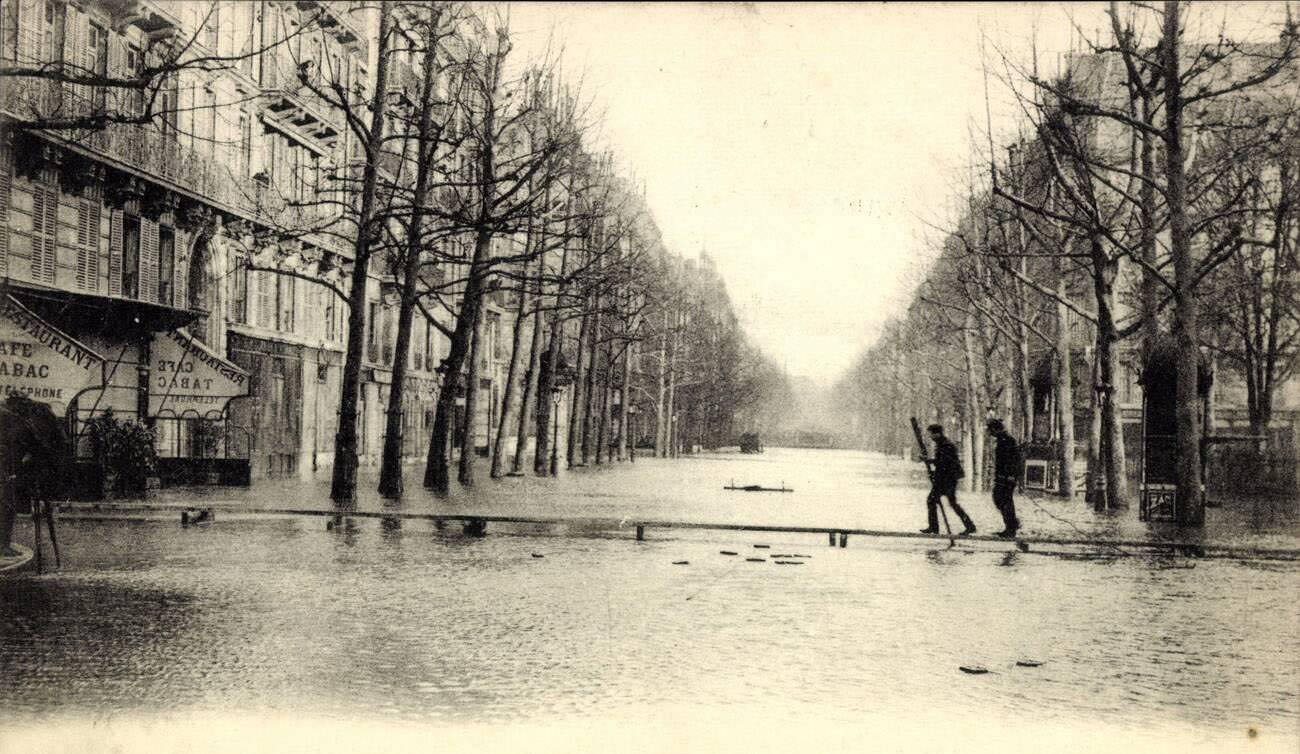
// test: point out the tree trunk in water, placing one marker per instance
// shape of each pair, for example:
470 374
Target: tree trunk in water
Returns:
606 396
546 374
511 392
673 429
390 472
576 426
1096 477
343 484
1105 272
590 402
469 445
1064 390
545 404
976 449
623 412
531 394
437 471
661 433
1191 503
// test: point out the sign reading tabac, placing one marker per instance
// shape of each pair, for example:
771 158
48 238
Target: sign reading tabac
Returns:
42 362
186 377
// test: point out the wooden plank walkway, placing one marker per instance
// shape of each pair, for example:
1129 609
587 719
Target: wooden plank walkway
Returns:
836 534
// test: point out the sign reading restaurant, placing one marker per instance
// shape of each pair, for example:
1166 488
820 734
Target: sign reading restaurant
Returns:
187 377
42 362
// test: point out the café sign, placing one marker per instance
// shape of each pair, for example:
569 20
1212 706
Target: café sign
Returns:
185 376
42 362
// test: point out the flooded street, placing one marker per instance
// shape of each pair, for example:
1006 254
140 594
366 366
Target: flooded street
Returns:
277 620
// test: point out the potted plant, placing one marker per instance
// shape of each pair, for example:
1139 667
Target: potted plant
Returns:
125 453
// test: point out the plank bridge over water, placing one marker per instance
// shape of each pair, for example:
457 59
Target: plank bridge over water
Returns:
476 525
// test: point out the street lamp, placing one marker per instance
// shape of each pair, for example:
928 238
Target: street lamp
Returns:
563 376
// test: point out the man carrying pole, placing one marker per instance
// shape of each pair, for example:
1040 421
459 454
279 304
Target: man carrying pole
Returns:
943 479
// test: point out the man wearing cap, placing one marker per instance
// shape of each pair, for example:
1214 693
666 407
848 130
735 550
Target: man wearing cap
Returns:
1006 475
947 470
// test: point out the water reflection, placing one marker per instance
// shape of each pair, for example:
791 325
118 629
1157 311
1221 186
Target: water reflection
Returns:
281 615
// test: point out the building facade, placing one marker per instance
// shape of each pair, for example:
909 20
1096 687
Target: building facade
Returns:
144 265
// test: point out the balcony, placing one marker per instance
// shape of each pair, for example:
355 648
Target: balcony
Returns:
306 118
142 150
337 19
152 17
289 103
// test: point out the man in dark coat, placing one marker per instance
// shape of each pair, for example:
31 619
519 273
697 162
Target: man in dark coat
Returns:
943 481
33 451
1006 475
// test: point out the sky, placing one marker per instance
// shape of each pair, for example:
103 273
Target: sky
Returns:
810 150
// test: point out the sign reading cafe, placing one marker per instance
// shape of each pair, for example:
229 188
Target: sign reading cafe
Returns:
42 362
186 377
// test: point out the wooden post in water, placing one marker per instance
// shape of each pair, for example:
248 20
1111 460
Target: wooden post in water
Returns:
832 536
640 533
844 539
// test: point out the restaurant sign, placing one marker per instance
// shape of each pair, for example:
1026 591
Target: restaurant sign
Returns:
186 377
42 362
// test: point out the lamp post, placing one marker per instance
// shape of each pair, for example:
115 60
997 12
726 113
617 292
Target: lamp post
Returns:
555 429
563 376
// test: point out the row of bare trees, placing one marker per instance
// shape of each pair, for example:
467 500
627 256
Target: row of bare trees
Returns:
1146 208
464 184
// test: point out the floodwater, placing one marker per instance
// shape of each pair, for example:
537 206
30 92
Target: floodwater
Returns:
393 635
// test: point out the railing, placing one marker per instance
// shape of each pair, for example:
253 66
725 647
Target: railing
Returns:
143 148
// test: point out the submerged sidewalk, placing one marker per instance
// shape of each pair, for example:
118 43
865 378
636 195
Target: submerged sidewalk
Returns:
832 489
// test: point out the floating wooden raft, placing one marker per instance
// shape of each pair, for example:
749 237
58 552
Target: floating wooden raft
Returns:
757 488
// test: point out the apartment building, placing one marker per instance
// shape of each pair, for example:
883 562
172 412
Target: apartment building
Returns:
145 266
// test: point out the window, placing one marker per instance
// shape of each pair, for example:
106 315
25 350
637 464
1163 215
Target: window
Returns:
429 343
372 330
245 160
49 32
387 345
284 290
416 360
238 290
265 300
97 50
211 26
331 329
9 30
166 260
131 257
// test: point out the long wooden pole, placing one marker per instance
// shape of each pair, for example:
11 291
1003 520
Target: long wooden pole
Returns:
929 470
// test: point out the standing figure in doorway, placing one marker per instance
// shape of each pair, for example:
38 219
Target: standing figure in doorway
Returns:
1006 475
947 471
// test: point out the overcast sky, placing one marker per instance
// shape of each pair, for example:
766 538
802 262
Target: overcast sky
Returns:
804 147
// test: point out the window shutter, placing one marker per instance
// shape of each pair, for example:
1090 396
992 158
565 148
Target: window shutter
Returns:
5 185
45 226
73 47
88 245
181 274
148 260
115 253
265 302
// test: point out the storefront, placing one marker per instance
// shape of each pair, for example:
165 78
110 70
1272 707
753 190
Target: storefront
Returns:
190 389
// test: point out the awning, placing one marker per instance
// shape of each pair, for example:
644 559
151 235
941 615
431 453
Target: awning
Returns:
42 362
188 378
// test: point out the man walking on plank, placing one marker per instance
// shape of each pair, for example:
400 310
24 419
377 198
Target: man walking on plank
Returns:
947 470
1006 475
